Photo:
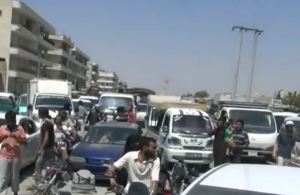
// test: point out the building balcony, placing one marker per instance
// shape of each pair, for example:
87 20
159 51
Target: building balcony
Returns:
23 32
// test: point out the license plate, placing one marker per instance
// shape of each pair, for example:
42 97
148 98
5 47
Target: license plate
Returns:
252 153
194 155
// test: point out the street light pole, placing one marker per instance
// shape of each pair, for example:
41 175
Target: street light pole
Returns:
255 39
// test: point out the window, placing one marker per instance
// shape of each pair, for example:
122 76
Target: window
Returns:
167 121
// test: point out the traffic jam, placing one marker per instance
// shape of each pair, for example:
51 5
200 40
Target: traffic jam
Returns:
155 144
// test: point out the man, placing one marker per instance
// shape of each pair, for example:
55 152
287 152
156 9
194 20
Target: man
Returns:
131 115
142 166
285 143
82 112
238 141
12 137
219 146
93 117
47 141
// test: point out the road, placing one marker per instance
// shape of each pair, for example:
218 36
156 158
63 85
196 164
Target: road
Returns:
101 187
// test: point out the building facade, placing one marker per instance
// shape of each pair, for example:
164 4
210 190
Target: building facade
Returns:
107 81
32 48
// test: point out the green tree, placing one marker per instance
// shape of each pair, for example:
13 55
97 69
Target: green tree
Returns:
201 94
292 99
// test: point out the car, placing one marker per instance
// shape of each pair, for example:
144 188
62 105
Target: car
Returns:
141 114
244 179
260 126
93 99
30 150
280 116
102 145
109 102
86 103
7 102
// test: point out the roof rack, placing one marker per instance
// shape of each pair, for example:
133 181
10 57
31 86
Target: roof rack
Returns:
243 104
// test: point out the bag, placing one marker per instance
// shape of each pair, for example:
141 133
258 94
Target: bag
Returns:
83 177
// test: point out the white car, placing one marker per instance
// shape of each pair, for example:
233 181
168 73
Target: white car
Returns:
246 179
30 150
93 99
281 116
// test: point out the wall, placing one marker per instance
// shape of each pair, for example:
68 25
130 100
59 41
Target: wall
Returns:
5 33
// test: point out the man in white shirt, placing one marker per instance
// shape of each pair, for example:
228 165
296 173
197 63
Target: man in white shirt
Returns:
142 166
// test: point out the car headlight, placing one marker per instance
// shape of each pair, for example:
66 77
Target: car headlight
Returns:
77 159
174 141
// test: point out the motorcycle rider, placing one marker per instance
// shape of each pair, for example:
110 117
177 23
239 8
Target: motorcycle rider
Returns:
142 166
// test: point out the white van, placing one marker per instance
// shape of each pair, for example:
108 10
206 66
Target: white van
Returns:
184 132
260 126
111 101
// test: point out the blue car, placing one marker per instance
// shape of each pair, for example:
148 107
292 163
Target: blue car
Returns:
103 144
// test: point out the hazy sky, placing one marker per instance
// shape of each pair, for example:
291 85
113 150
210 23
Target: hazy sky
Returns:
188 42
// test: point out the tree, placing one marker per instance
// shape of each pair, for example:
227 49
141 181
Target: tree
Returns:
201 94
292 99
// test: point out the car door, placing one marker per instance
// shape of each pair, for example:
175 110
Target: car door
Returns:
29 152
164 129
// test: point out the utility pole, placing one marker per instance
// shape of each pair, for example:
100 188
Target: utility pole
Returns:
237 70
255 38
166 85
256 32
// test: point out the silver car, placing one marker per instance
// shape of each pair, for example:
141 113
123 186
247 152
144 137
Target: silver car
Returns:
30 150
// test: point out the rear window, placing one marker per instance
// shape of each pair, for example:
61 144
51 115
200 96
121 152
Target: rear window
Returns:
212 190
115 102
255 121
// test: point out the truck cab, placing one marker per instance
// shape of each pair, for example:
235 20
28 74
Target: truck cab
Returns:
260 126
184 132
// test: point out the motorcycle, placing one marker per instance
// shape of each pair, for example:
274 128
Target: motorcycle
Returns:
182 176
135 188
54 173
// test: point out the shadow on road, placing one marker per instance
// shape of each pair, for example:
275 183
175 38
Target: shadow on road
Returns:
26 172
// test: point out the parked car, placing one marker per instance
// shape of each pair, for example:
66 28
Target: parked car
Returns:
102 145
244 179
30 150
280 116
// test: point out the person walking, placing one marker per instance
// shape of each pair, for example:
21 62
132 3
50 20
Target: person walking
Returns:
285 144
12 136
47 140
219 146
82 113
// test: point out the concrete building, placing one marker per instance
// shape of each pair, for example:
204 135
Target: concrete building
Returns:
92 74
107 81
31 48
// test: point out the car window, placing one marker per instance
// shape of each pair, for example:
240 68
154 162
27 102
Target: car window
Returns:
191 124
108 135
28 126
212 190
279 121
167 121
114 102
2 121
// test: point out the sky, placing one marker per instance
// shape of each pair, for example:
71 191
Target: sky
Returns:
190 43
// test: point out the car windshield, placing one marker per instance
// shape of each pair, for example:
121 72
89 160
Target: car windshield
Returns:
213 190
191 124
87 105
142 108
23 100
94 101
279 121
255 121
6 104
114 102
108 135
297 130
52 101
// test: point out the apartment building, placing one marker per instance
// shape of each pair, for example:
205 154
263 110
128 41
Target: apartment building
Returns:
32 48
107 81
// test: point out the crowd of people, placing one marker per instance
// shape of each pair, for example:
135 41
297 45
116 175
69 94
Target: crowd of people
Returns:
139 162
